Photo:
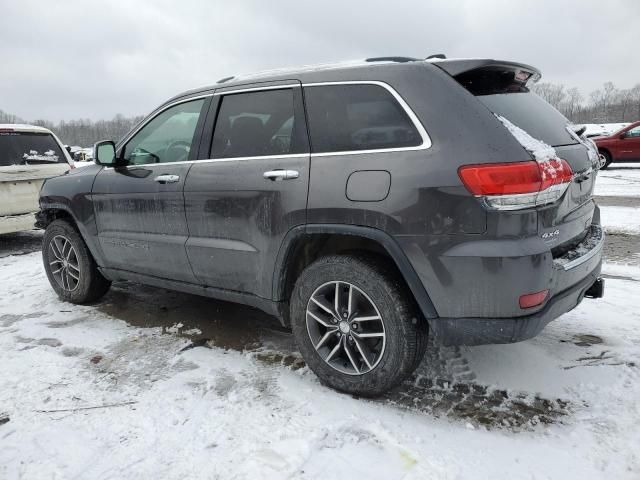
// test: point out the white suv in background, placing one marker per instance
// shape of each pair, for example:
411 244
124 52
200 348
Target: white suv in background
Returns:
28 155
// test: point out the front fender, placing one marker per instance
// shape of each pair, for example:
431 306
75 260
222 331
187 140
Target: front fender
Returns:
69 196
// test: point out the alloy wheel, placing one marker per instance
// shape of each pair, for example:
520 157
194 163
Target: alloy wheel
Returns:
64 264
345 328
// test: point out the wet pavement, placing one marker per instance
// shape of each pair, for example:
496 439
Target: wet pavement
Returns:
621 248
615 201
20 243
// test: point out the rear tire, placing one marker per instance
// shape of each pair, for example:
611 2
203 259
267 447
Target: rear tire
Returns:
375 355
607 158
70 268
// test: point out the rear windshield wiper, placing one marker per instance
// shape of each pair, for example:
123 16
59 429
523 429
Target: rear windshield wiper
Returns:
578 129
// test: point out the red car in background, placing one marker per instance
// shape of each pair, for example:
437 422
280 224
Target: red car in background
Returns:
621 146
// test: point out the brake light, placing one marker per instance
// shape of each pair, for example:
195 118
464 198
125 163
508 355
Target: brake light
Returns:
531 300
517 185
5 130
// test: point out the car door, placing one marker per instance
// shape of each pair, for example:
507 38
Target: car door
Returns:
139 206
629 145
250 188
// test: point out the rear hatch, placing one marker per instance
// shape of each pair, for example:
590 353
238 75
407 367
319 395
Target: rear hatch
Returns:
26 159
503 87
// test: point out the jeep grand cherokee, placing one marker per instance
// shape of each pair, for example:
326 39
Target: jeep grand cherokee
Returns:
367 205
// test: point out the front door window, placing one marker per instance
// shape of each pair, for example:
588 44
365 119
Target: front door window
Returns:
167 138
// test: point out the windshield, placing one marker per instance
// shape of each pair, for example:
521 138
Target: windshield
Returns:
28 148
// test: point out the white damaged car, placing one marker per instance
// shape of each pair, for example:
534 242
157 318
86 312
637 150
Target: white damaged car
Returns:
28 155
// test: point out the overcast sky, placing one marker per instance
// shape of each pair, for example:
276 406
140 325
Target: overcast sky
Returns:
92 59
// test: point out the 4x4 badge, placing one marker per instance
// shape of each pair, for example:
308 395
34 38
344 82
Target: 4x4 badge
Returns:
547 235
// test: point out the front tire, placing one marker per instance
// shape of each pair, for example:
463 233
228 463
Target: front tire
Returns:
71 270
355 325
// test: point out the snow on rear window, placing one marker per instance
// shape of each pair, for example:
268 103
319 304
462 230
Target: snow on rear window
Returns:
540 150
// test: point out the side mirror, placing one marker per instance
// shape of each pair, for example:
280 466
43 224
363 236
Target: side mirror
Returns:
104 153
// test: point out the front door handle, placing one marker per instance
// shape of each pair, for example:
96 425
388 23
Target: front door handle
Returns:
281 175
167 178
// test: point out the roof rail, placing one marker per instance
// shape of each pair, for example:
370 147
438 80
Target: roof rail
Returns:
225 79
437 55
392 59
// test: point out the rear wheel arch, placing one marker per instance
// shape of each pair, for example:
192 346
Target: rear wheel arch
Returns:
305 244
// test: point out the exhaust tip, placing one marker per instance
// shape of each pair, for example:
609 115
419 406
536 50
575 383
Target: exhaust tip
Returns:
596 290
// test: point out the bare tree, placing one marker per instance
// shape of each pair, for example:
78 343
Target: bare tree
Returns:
572 103
552 93
82 132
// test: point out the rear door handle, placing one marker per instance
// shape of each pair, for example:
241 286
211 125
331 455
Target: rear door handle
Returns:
167 178
281 175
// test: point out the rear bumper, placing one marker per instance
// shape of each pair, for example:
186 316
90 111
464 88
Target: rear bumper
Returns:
569 279
481 331
17 223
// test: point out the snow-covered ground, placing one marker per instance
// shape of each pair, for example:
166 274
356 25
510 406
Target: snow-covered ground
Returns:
620 219
620 179
90 395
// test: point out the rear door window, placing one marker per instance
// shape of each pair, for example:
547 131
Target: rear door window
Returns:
29 148
345 118
254 124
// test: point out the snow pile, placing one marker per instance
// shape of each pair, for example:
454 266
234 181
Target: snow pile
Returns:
541 151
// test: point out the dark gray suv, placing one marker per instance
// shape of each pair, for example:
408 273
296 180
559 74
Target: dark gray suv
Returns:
368 206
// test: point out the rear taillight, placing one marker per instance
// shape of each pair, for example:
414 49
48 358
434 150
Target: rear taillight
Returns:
517 185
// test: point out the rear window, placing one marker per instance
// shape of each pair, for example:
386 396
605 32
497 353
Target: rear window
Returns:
345 118
26 148
532 114
504 91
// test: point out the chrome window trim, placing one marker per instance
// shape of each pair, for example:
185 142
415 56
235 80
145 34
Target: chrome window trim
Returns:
256 89
215 160
426 140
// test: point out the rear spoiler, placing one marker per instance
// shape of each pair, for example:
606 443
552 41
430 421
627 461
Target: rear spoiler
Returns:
456 66
483 76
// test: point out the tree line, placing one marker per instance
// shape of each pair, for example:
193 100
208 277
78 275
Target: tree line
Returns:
608 104
82 132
